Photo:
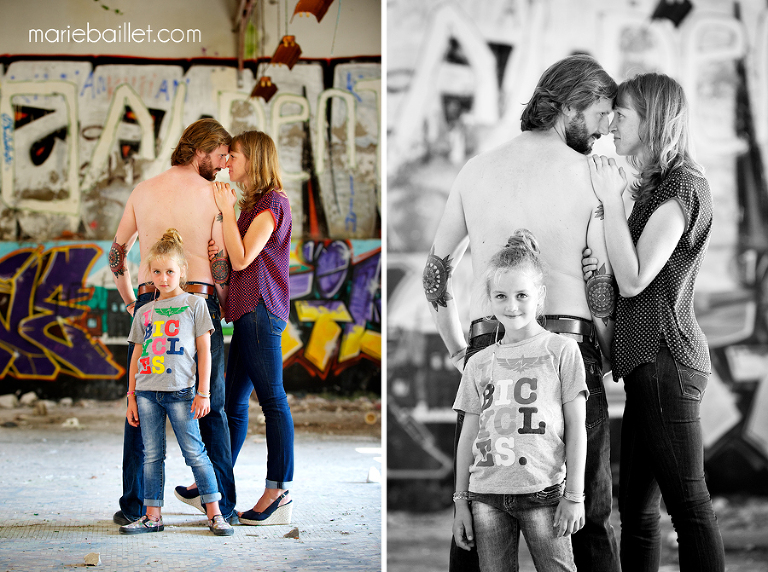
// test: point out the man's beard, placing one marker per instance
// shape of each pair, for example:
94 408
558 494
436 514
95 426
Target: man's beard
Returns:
576 135
206 169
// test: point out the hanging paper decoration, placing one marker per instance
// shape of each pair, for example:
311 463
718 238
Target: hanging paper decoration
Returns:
316 7
287 52
264 88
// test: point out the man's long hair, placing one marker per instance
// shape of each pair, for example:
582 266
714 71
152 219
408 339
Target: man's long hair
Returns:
577 81
663 109
205 135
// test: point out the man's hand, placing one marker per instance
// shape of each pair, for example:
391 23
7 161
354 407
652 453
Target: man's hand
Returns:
213 250
462 526
588 264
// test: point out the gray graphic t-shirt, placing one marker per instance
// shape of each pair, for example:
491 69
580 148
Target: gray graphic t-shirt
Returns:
518 390
164 331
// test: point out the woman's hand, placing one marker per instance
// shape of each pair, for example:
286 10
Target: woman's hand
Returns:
569 517
224 195
608 179
588 264
462 526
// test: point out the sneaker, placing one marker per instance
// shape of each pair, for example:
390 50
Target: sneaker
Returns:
233 519
120 518
144 524
192 498
219 526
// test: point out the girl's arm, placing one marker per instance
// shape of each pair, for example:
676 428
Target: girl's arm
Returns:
634 266
132 414
569 517
242 250
462 520
201 405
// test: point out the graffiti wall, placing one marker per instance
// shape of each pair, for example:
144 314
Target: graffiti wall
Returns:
77 135
459 75
59 314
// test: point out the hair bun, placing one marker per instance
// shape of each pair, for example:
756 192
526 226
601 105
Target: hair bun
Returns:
172 235
523 239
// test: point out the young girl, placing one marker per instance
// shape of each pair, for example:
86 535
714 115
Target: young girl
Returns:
658 347
167 332
522 448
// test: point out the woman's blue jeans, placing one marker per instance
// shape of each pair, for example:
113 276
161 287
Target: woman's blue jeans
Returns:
662 456
498 519
177 405
256 362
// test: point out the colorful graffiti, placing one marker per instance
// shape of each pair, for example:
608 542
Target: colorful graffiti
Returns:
60 313
336 293
43 292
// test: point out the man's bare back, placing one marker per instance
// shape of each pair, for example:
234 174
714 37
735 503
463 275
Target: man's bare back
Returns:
177 198
533 182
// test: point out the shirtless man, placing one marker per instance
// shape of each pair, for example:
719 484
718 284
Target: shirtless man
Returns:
540 181
180 198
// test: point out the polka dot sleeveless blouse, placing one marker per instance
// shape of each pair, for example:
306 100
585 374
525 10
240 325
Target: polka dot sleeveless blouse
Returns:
267 276
664 310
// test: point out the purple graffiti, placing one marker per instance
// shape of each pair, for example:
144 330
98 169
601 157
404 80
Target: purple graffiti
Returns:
331 268
365 284
46 296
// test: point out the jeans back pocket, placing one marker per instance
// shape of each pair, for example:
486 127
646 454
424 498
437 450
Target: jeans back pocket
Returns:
693 383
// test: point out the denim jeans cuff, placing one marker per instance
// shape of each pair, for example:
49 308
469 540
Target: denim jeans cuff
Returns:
278 484
210 498
153 502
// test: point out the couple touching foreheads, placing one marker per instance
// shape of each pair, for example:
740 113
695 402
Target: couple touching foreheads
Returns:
564 282
197 254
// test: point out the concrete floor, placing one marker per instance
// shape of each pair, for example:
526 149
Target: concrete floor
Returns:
59 488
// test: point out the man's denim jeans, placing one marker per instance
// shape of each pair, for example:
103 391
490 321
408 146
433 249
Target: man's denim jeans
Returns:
214 430
153 407
256 362
498 520
594 546
662 455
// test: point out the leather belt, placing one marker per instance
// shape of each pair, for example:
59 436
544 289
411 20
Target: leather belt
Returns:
149 288
556 324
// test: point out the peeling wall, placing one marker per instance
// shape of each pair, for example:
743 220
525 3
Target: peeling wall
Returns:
79 134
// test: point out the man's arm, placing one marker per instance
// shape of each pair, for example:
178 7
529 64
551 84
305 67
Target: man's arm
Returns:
125 237
601 287
220 266
451 241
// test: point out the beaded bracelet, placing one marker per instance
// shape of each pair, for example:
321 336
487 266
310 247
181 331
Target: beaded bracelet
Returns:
131 393
461 495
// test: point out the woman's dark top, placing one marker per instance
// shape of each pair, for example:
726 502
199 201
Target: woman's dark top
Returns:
664 310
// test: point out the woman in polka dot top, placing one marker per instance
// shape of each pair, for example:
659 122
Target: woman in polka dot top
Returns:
259 245
658 347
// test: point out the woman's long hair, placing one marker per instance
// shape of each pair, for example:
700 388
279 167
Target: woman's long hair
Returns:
663 109
261 166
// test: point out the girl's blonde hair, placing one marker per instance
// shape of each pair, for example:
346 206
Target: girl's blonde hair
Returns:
170 246
663 109
261 166
521 250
